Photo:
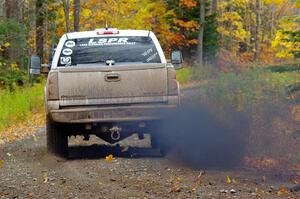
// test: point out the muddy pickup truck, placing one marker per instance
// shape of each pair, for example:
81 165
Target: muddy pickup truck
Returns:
109 83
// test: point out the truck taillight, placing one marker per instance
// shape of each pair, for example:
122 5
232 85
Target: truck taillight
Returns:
52 86
172 82
107 31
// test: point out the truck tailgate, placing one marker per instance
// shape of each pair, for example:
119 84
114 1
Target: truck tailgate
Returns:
101 85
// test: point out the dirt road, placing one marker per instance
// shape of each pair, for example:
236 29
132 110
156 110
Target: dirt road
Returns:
28 171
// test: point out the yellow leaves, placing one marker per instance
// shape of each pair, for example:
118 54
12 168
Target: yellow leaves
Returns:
1 163
4 46
277 2
178 179
7 44
228 180
109 158
14 66
86 13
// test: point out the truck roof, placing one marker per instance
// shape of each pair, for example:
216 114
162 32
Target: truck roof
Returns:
114 32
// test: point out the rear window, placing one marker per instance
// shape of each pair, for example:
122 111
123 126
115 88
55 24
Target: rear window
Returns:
102 49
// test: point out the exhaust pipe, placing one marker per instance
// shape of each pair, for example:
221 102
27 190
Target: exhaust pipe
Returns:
115 133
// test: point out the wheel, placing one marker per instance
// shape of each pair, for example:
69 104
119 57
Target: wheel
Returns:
57 138
157 142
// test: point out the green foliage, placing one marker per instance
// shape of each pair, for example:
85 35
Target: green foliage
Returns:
185 75
248 89
20 105
11 32
10 79
211 39
245 89
284 68
195 73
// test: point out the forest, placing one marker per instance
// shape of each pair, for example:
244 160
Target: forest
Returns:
228 34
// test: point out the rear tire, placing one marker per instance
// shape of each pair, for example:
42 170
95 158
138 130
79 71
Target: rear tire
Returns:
57 138
158 143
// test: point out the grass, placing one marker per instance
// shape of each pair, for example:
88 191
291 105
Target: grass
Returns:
20 105
241 89
189 74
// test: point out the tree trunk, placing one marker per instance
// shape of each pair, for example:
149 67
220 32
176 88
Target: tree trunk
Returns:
76 15
201 32
257 31
2 11
66 4
214 7
39 28
272 31
12 9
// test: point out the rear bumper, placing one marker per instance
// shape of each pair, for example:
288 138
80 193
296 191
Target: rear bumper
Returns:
110 114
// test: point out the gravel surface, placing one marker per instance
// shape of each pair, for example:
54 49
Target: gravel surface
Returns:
28 171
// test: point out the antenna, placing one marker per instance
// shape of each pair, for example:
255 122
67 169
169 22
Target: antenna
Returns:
106 26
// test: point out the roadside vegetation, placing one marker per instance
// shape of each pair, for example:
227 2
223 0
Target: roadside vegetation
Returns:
20 104
268 97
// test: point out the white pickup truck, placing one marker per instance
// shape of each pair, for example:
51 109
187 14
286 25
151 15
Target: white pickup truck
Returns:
109 83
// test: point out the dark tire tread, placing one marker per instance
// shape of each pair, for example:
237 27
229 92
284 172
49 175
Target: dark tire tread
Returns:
57 138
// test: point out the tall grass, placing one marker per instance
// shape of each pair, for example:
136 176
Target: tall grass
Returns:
189 74
20 104
249 88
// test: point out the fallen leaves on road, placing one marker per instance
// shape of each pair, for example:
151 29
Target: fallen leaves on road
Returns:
176 187
34 138
109 158
20 130
201 174
282 191
1 163
228 180
124 149
46 178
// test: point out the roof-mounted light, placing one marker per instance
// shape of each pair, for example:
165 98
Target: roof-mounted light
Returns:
107 31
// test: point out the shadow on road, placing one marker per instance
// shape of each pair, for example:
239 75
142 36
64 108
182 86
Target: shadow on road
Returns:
97 151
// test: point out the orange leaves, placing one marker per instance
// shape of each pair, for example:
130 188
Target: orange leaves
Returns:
188 3
188 25
282 191
109 158
180 39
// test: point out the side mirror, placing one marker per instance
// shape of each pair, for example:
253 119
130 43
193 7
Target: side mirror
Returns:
177 59
35 65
